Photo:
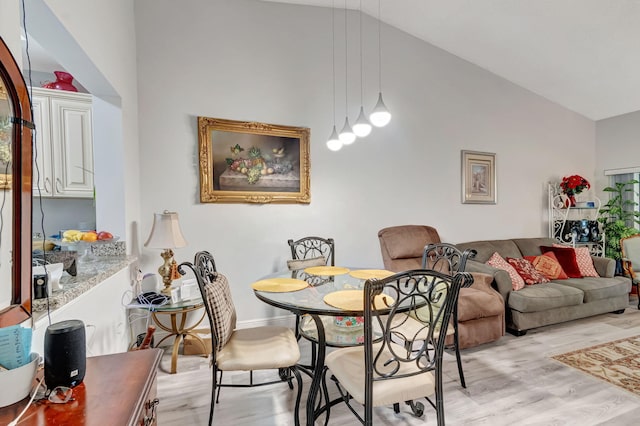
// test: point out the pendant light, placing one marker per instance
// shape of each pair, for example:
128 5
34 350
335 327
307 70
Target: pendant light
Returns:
346 135
362 127
334 143
380 115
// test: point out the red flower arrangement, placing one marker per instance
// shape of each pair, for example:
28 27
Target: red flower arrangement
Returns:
572 185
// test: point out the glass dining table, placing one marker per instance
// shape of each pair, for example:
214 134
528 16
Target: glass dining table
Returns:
317 295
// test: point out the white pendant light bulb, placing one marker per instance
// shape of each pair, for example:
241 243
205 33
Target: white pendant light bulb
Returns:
334 143
362 127
346 135
380 116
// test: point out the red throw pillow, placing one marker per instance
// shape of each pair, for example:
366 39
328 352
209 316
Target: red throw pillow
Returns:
547 264
526 270
567 259
584 261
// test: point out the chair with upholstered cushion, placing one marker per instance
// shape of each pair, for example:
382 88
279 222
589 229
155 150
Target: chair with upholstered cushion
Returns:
481 310
235 349
630 247
391 373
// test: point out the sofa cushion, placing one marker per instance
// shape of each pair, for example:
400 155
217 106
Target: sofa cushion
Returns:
527 271
531 246
547 264
536 298
567 258
474 304
599 288
497 261
485 249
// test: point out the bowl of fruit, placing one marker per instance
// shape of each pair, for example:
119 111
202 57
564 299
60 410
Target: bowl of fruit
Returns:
71 236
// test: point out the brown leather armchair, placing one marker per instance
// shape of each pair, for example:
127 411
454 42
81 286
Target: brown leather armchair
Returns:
480 308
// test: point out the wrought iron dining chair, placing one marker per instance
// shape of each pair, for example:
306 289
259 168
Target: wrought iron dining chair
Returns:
307 252
446 258
392 374
313 248
630 250
235 349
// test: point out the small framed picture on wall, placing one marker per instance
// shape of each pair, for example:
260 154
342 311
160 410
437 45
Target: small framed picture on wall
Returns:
478 177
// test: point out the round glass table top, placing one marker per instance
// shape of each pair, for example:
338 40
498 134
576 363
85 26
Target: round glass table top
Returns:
311 298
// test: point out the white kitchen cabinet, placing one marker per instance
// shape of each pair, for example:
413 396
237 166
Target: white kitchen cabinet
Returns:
63 156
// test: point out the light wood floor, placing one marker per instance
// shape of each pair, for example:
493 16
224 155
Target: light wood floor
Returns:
509 382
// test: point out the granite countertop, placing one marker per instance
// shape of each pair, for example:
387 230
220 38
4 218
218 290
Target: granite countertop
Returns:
89 274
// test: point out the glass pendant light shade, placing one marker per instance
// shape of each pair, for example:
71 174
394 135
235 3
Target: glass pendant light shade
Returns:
346 135
380 116
334 143
362 127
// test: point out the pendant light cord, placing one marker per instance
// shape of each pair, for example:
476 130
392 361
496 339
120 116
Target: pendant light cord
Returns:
333 56
346 92
379 50
361 62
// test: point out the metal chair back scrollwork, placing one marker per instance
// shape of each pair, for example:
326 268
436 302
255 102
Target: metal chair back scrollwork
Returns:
310 247
427 298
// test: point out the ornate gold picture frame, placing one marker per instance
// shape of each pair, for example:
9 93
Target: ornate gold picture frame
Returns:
250 162
478 177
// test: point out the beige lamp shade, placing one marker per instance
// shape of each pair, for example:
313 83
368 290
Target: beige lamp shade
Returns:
166 233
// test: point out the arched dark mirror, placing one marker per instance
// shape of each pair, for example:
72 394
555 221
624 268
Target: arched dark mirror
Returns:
15 192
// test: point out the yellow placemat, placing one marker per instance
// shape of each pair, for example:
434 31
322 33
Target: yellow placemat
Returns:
353 300
326 271
365 274
279 285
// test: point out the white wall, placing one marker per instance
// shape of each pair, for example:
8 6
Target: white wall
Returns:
617 145
266 62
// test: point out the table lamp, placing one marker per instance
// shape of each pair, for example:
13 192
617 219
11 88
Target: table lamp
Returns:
166 234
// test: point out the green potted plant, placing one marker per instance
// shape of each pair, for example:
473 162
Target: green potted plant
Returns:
618 218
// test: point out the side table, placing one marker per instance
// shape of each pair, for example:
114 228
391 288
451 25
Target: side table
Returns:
178 328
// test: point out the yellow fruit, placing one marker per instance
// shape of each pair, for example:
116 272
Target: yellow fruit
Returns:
70 233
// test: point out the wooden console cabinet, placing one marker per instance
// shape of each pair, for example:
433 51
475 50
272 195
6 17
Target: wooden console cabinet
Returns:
118 389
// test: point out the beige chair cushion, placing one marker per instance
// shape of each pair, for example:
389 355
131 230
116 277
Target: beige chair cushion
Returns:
297 264
218 297
348 366
259 348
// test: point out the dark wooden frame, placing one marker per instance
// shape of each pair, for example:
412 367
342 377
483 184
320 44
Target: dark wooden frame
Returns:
18 96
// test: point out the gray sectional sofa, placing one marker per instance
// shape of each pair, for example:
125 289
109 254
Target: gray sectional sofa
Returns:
554 302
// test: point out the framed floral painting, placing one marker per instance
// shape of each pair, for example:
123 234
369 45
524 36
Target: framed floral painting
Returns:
478 177
250 162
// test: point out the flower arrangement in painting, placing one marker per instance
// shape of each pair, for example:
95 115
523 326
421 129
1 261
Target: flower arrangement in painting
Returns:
573 185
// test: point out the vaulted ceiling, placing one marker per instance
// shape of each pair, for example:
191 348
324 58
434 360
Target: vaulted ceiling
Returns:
581 54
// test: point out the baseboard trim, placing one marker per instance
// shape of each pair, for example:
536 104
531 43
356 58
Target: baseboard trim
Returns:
281 321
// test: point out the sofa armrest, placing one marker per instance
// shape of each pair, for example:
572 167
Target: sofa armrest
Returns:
501 277
605 266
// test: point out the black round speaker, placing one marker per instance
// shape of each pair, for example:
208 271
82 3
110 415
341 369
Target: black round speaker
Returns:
65 354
